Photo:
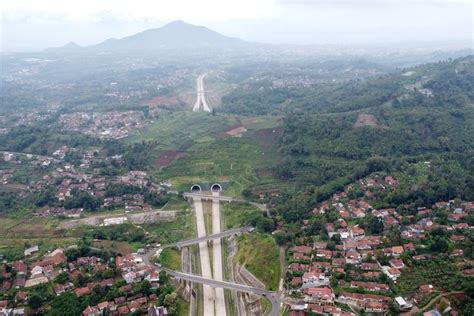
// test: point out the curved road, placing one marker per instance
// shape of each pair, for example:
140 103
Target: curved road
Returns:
200 98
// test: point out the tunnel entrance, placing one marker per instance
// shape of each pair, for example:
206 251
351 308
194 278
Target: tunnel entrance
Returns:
196 189
216 187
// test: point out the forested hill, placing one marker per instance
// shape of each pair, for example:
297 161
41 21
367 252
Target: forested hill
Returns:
450 82
388 125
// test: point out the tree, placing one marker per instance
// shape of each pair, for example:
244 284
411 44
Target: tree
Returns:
65 304
35 301
171 303
265 225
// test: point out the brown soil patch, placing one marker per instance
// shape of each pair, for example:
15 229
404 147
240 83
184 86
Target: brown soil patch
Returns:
121 247
269 132
366 120
158 101
237 132
267 136
167 157
263 173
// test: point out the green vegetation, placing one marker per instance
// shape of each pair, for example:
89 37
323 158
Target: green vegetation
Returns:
442 273
171 258
181 228
259 253
238 214
325 151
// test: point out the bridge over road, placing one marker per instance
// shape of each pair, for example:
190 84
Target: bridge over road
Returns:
223 234
274 297
229 199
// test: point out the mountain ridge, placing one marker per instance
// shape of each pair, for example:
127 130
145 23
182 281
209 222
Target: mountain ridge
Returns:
176 35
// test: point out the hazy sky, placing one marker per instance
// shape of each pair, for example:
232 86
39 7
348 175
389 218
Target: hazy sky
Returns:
37 24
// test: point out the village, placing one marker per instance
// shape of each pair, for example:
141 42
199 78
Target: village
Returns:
359 269
70 186
115 285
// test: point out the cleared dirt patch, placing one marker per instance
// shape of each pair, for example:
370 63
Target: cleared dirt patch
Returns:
237 132
167 157
366 120
159 101
267 136
121 247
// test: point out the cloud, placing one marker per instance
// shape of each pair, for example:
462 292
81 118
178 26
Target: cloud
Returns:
138 9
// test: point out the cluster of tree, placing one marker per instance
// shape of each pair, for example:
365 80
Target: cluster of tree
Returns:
41 139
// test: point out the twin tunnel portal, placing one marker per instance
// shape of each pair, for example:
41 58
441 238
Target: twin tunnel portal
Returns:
216 187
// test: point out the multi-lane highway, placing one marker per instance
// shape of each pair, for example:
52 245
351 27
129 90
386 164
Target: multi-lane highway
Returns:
200 97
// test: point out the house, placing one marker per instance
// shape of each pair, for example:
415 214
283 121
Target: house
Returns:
29 251
157 310
426 289
397 251
370 286
409 247
20 267
296 281
19 282
374 307
370 266
36 281
312 276
353 257
302 249
82 291
322 253
319 295
123 310
397 263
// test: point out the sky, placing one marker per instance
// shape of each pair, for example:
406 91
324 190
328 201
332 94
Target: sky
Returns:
32 25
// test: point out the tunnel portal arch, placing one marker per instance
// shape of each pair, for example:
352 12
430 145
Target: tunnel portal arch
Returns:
216 187
196 188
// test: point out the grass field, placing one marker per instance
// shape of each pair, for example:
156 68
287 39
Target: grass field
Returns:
260 255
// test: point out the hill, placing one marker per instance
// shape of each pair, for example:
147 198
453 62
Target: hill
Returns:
386 125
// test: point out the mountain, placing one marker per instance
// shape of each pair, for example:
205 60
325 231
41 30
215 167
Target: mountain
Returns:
174 36
69 47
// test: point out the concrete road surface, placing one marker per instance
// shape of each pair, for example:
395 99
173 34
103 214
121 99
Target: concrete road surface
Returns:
200 98
217 256
208 292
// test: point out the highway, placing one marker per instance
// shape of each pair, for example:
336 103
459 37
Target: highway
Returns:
200 97
274 298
